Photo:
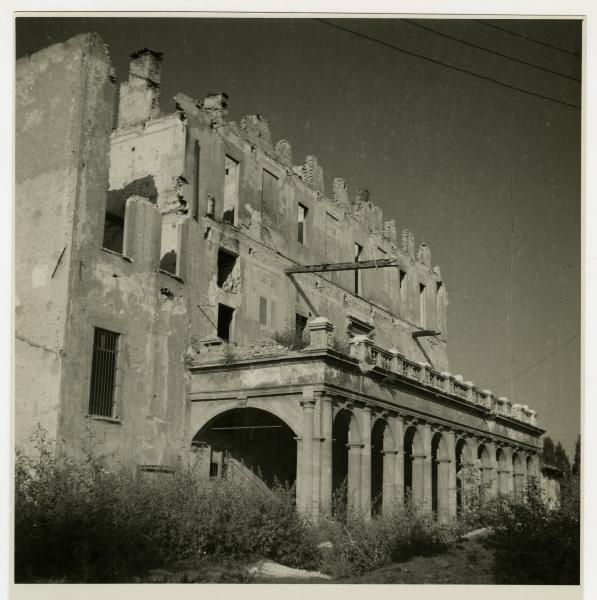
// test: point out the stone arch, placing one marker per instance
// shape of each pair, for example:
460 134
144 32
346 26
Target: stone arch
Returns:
518 471
381 469
250 444
346 446
289 413
413 464
440 476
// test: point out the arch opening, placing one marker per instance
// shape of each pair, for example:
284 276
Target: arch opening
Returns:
460 462
379 444
250 444
344 434
413 474
440 466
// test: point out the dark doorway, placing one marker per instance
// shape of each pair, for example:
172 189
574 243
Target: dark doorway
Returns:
256 445
225 315
377 458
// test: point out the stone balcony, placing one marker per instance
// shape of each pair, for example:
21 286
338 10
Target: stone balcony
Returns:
365 351
391 363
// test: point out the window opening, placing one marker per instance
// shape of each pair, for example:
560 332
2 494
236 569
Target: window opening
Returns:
228 272
231 184
103 372
422 307
269 198
358 250
301 223
196 162
225 314
262 311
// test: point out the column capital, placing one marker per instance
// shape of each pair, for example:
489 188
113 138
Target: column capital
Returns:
308 403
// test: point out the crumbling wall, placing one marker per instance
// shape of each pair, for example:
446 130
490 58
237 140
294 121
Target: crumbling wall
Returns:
63 118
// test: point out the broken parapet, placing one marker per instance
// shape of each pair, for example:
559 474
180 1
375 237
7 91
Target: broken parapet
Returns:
389 232
216 106
367 213
340 191
311 173
408 243
256 131
283 153
140 95
424 255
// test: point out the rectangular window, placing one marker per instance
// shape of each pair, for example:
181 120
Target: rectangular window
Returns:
422 307
231 185
269 198
196 157
300 324
262 311
225 314
114 223
358 251
228 272
103 372
402 283
301 223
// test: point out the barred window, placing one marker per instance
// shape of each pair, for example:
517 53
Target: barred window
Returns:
103 372
262 311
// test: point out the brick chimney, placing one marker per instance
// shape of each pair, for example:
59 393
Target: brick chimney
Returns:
140 95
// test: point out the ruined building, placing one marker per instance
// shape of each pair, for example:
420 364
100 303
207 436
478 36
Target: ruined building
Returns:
167 304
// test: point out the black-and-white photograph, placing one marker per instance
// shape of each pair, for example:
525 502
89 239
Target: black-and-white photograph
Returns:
297 300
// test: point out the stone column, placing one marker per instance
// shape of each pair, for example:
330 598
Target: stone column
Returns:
325 486
443 489
399 461
490 483
451 443
389 483
354 476
305 483
470 472
418 477
365 495
427 468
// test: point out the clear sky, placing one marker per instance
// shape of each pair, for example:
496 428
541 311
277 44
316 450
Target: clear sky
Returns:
487 175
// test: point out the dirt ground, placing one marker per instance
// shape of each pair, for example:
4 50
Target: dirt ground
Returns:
466 562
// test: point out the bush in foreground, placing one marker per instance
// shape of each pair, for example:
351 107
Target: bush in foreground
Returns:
75 521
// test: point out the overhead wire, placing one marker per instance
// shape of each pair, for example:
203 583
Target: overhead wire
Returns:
446 65
527 37
489 50
541 360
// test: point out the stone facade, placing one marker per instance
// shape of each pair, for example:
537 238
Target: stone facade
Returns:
173 233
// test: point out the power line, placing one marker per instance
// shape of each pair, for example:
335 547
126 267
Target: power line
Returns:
489 50
443 64
527 37
538 362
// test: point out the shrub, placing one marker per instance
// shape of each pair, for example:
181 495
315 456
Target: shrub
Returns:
76 521
292 339
360 545
533 544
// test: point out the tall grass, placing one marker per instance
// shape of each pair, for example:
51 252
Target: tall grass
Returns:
76 521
